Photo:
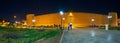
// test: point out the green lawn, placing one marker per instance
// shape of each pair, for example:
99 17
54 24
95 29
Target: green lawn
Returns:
12 35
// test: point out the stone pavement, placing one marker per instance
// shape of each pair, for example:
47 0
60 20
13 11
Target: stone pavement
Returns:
90 35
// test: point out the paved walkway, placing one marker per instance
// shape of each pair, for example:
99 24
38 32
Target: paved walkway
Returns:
90 35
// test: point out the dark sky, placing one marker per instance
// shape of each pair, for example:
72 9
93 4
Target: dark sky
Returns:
9 8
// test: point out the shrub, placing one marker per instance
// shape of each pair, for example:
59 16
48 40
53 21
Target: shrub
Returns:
41 30
10 35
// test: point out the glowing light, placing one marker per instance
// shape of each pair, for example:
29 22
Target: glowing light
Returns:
106 26
3 21
8 23
15 16
92 19
70 23
70 14
25 23
61 13
73 27
109 17
33 20
16 21
63 18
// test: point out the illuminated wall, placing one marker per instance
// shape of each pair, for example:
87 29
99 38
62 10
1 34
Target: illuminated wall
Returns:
113 20
29 18
78 19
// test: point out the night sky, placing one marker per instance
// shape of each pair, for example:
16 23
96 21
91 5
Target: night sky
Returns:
9 8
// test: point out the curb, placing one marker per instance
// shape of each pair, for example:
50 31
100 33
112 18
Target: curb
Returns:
62 37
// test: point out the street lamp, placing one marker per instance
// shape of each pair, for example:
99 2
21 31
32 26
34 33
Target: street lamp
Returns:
70 17
61 17
15 20
63 21
33 21
16 23
92 21
61 13
93 31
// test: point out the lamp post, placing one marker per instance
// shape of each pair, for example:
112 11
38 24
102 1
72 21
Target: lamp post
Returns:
63 21
33 21
93 22
61 18
92 30
15 21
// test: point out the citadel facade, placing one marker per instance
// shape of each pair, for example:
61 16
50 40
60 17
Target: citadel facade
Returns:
78 19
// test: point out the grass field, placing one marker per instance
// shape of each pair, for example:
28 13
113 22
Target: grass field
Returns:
13 35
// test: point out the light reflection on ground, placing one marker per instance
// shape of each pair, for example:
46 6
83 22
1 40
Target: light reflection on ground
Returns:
89 35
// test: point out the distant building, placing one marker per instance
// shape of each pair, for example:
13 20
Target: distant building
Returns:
78 19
